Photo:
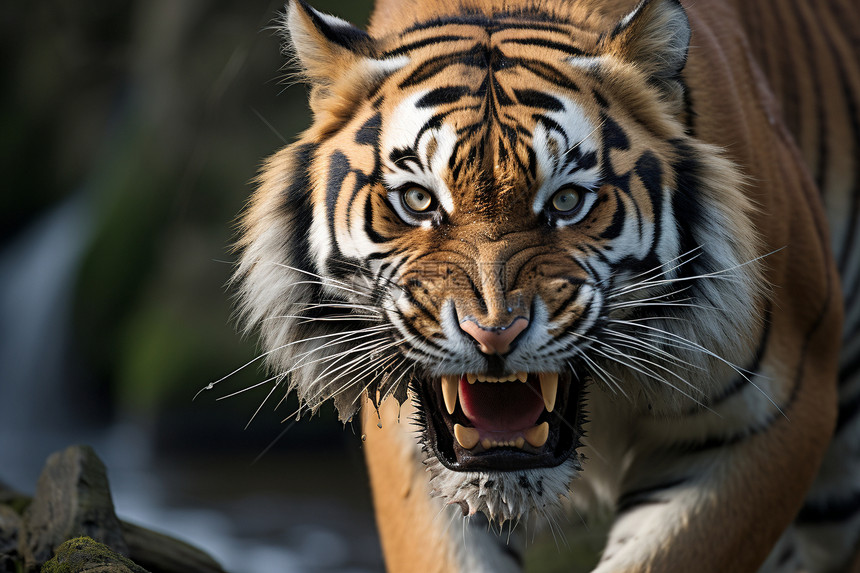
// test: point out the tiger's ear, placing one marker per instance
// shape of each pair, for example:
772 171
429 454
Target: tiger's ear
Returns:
338 59
655 36
324 45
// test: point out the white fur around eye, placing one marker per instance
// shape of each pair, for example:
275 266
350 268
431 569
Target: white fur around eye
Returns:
553 172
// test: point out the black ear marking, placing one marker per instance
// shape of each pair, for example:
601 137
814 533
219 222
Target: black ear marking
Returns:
339 32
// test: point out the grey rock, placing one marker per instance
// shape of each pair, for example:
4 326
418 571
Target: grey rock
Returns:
10 523
72 500
165 554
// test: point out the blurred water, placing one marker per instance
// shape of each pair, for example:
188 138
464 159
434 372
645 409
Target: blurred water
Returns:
252 534
37 273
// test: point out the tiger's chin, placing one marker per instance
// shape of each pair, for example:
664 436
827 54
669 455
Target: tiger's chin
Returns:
504 446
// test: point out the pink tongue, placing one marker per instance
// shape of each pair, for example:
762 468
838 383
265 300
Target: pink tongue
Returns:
501 407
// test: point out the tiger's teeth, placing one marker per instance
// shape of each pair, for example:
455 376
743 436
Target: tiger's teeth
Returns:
522 376
450 384
549 389
468 437
486 443
538 435
520 442
471 378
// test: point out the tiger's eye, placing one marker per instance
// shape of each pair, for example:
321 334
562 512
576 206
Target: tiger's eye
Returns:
566 200
417 199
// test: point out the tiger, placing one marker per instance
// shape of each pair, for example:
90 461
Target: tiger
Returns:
577 256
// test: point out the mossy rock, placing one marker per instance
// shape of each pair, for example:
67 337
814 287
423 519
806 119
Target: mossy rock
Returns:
72 499
84 555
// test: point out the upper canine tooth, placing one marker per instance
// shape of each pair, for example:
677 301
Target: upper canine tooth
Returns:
549 389
471 378
538 435
522 376
450 384
468 437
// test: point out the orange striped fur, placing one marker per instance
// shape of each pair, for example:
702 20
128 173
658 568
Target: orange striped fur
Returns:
585 253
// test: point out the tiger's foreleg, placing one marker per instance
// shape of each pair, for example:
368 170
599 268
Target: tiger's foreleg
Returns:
418 531
717 501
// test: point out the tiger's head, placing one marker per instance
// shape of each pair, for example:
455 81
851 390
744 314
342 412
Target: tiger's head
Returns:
497 212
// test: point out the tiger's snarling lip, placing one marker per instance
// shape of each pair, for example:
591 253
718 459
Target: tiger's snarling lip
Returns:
517 421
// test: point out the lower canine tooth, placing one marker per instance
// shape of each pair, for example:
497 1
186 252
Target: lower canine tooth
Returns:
538 435
468 437
549 389
450 384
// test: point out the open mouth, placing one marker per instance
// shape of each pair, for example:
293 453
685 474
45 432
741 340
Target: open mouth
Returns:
517 421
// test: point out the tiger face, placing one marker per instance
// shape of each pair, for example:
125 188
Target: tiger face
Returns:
495 216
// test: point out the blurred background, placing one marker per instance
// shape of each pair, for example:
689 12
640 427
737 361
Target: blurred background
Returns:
129 135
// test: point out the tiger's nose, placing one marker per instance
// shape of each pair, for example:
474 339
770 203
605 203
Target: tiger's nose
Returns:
494 340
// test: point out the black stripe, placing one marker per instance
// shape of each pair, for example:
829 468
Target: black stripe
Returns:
618 218
297 198
546 72
338 171
443 95
576 282
491 26
601 101
587 160
645 496
848 410
418 335
368 133
402 156
475 56
545 43
849 370
830 511
433 40
416 283
534 98
786 556
650 172
371 233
